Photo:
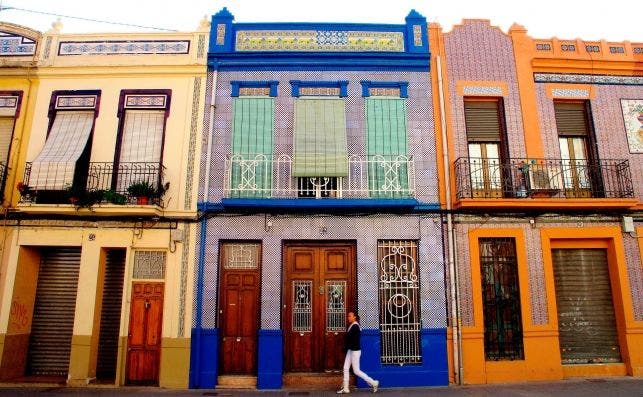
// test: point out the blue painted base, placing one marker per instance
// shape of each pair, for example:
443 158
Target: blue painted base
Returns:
204 356
432 372
270 360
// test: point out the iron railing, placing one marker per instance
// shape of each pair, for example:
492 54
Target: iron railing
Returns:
99 177
261 176
542 178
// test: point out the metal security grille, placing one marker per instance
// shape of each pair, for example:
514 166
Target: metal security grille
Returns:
586 320
149 265
53 318
110 317
503 339
302 306
241 256
335 305
399 298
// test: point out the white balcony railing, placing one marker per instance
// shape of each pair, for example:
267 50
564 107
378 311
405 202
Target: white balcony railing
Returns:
261 176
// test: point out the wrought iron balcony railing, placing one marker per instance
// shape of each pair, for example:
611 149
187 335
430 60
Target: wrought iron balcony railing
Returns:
99 181
544 178
376 177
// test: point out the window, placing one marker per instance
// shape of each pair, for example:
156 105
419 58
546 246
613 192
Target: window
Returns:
501 299
399 297
9 106
141 138
387 147
64 160
485 136
574 135
320 153
252 146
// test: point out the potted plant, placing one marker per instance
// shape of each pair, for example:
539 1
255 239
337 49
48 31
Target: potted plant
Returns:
26 194
143 191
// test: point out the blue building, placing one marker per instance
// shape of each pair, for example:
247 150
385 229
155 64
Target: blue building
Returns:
319 196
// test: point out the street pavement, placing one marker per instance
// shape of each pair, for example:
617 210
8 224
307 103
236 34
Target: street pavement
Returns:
577 387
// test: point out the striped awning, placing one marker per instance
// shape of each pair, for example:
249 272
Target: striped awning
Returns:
53 168
320 138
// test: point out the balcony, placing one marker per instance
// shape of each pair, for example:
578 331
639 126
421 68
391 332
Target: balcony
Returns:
369 181
557 182
95 183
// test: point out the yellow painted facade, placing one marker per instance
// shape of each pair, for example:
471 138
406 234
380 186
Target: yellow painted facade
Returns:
172 63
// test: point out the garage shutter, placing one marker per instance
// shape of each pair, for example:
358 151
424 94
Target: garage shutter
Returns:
110 318
587 327
53 318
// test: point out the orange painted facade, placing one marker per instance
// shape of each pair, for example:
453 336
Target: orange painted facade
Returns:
537 223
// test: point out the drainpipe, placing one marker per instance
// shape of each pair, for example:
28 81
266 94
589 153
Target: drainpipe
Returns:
202 239
453 280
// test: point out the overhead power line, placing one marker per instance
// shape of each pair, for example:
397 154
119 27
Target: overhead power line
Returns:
2 8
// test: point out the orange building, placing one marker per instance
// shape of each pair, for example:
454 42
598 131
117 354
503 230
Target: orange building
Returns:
542 150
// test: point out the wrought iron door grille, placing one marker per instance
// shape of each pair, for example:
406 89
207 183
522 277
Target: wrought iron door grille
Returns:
241 256
501 299
399 297
335 305
302 306
149 265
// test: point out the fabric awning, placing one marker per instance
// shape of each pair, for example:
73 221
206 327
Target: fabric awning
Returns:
320 138
53 168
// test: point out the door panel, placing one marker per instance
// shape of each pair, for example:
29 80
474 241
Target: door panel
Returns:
144 338
318 292
239 308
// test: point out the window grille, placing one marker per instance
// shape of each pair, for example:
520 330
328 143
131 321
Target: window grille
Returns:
335 305
399 297
317 186
241 256
501 299
302 306
149 264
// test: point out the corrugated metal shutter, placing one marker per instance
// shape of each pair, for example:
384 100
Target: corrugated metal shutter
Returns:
53 318
571 119
482 120
586 322
110 319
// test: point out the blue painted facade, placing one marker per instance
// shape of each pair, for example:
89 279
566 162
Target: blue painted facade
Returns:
353 59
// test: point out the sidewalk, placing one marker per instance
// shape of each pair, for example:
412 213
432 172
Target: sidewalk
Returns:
580 387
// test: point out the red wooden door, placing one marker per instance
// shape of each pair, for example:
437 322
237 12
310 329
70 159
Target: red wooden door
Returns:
239 308
144 338
318 293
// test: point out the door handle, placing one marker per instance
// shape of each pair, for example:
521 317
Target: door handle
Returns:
238 339
321 290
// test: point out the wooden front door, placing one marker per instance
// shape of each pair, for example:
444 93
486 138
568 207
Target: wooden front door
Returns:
239 307
318 293
144 337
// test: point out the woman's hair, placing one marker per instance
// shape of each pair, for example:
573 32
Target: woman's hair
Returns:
356 316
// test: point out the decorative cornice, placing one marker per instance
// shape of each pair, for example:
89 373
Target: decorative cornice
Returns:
587 79
109 47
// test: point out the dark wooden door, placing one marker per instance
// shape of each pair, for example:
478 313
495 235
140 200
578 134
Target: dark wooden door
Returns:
239 308
144 338
318 293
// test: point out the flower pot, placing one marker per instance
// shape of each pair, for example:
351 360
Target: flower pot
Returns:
142 200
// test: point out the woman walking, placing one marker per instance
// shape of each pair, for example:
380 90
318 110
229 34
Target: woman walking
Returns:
353 353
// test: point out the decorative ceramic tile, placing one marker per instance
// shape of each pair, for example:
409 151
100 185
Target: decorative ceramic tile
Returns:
482 90
76 101
161 47
14 45
145 101
318 40
587 79
569 93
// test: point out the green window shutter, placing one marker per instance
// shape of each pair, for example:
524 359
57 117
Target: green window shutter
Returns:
320 138
387 143
252 145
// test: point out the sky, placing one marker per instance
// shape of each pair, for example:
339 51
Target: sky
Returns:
616 20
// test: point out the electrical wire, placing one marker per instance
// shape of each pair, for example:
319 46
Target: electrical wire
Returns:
6 8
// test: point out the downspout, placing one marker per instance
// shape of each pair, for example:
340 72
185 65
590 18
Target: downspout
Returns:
202 238
453 279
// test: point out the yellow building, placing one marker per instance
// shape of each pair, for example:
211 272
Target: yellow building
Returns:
97 266
545 188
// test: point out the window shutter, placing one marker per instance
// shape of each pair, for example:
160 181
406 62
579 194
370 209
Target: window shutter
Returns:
252 126
142 136
6 132
482 119
571 119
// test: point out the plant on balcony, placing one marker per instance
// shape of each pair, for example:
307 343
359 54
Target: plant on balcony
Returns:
26 193
144 191
83 198
113 197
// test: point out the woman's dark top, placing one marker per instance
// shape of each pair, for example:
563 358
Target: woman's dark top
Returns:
352 341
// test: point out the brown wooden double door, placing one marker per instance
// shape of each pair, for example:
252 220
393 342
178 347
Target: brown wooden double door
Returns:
318 292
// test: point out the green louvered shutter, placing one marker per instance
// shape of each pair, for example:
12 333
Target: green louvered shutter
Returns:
251 167
388 173
320 138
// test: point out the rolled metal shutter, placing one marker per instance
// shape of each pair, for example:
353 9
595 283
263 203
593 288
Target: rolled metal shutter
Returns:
53 318
482 120
110 319
586 322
